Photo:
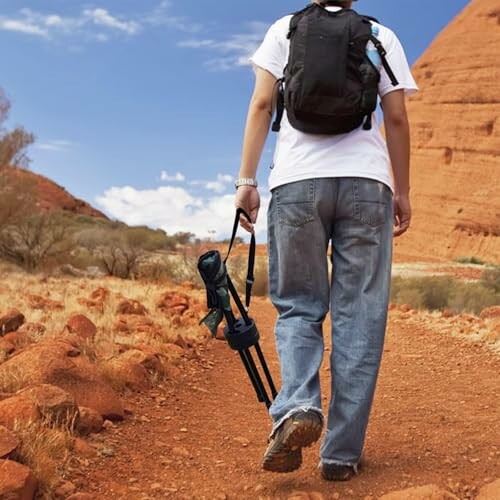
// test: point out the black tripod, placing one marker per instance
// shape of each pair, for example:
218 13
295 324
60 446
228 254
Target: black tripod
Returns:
241 333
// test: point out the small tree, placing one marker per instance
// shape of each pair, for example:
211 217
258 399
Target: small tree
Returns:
13 144
34 240
120 250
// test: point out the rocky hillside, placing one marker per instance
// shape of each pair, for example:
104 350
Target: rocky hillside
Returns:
456 142
50 196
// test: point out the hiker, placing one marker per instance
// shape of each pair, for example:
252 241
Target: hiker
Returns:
330 181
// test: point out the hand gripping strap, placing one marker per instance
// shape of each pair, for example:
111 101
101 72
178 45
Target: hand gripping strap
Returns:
251 255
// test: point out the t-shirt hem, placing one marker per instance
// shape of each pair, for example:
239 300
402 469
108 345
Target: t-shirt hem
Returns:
364 175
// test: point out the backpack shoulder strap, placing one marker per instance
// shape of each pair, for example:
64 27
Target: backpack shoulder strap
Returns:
370 18
382 52
296 16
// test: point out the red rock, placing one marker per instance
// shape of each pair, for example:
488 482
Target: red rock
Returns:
18 339
90 421
81 326
8 442
405 308
95 305
490 492
81 496
50 197
44 304
173 303
172 352
445 145
59 362
127 373
54 404
447 313
16 481
17 408
131 307
101 294
427 492
11 321
33 329
65 489
84 449
6 348
490 312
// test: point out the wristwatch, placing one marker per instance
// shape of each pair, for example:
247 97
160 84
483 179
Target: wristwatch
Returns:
245 181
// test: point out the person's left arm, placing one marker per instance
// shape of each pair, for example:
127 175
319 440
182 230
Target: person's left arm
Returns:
259 118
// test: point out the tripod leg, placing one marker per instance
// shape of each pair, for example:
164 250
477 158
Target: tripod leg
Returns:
258 380
274 392
251 375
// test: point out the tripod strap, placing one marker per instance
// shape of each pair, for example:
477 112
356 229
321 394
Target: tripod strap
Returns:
251 259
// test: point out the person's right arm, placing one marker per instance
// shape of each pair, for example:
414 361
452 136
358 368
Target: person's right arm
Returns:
397 131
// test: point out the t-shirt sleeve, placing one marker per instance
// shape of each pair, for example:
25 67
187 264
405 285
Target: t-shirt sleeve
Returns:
399 64
271 55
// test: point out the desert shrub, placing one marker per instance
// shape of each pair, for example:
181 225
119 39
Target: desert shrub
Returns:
237 269
472 297
121 249
82 258
261 285
438 293
491 278
470 260
34 241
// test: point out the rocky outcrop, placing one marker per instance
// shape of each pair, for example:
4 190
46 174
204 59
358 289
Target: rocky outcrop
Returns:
60 363
455 122
50 197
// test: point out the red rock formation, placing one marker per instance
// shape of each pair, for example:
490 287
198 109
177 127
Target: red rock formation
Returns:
456 142
51 197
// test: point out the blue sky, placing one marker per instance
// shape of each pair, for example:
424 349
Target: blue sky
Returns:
139 106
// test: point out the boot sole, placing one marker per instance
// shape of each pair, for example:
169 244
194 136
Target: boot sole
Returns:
287 456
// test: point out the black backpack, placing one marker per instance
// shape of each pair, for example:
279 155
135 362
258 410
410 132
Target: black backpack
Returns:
330 85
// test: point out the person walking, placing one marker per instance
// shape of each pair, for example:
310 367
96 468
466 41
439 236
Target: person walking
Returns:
328 185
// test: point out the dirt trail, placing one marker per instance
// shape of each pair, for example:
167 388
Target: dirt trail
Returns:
435 420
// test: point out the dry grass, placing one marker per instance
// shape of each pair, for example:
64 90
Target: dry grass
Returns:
12 380
44 449
13 293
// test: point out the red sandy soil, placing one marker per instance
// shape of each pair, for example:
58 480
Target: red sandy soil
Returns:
435 420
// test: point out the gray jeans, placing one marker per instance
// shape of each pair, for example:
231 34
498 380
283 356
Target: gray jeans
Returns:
356 214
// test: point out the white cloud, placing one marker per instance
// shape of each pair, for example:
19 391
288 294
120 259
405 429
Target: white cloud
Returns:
177 177
57 145
174 209
22 26
102 17
234 51
86 23
217 186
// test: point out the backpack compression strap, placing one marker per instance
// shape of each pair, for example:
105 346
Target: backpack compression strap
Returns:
280 106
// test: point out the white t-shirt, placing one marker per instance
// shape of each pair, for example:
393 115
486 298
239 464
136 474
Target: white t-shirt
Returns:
360 153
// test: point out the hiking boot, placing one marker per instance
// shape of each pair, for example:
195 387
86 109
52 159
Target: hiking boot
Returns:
337 472
284 453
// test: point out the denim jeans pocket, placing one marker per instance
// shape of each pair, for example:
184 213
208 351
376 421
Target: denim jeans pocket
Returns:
295 203
371 200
